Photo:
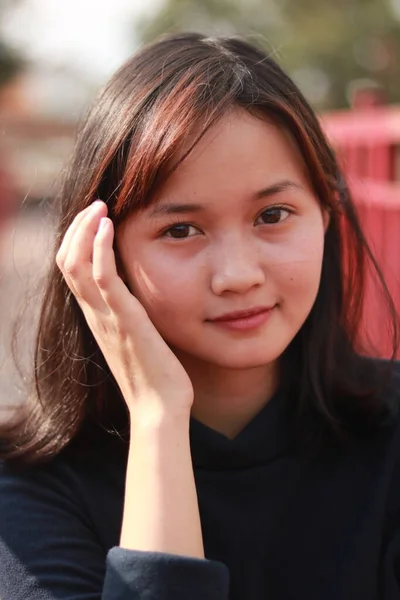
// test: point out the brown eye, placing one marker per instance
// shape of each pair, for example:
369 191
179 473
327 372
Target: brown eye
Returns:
274 215
179 231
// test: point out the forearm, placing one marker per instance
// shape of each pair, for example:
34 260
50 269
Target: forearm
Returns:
161 510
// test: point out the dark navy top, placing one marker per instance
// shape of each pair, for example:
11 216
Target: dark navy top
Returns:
277 525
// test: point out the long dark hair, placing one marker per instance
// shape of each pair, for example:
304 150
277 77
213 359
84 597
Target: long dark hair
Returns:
137 123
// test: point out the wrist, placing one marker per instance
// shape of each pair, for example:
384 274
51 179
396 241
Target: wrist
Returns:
158 423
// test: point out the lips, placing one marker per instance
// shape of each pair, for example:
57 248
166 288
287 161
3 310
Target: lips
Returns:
242 314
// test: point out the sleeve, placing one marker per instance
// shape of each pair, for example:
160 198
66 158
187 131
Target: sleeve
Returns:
49 551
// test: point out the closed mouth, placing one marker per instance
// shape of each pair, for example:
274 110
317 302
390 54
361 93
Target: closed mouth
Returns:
243 314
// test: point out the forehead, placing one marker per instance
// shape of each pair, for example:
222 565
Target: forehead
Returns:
238 153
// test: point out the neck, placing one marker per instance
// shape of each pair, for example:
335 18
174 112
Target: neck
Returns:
226 400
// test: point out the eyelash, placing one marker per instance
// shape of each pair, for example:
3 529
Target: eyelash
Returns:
176 222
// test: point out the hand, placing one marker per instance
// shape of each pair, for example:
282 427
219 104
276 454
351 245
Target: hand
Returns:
153 382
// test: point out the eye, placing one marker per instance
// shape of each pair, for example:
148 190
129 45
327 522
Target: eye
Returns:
274 215
178 231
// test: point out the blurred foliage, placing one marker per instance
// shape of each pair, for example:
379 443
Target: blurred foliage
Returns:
324 45
10 61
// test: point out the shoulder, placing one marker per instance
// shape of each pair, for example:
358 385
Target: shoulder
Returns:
372 441
73 482
390 428
71 497
384 449
57 522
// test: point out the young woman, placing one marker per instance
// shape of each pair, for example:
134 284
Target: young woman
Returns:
207 424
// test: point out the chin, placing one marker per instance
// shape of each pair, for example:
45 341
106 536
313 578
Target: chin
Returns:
238 354
245 360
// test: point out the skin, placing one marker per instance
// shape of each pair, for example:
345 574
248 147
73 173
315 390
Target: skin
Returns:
160 509
229 256
168 359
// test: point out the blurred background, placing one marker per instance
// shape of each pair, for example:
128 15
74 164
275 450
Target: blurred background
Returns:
54 56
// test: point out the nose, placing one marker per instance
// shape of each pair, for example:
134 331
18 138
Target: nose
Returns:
236 268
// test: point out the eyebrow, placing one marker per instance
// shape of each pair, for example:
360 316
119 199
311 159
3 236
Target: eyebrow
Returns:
168 208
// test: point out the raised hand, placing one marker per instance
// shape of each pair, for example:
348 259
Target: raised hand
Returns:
153 382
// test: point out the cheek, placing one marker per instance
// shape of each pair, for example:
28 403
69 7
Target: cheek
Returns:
165 291
298 273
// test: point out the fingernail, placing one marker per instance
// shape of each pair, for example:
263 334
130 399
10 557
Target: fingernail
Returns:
97 202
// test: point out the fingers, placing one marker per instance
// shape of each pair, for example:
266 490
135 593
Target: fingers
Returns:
63 250
80 247
87 261
75 255
105 274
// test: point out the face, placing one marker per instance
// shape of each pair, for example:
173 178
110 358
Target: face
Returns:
236 226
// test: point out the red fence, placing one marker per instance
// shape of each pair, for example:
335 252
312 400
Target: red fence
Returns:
368 144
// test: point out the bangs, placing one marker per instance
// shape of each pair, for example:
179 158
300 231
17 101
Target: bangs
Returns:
187 107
